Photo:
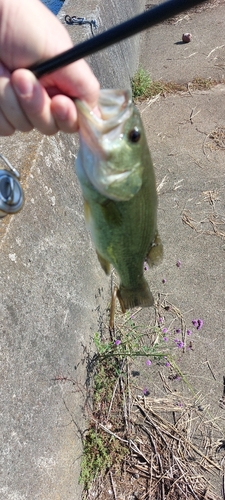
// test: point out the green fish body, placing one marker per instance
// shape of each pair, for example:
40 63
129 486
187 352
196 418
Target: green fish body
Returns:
116 174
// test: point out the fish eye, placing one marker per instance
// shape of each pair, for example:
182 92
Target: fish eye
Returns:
134 135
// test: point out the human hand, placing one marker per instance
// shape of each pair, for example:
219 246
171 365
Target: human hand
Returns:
29 33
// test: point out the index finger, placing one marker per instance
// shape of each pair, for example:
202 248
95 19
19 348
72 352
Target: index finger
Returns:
75 80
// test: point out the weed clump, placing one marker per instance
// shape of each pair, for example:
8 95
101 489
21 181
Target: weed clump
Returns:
145 88
106 442
140 84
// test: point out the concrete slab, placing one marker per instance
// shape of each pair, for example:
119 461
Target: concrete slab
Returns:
46 319
52 295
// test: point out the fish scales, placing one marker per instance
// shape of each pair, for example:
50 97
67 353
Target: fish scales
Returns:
116 174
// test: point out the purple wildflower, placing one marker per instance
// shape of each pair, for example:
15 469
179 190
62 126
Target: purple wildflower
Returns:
189 332
148 362
195 322
165 339
200 324
167 363
179 343
163 280
117 342
178 264
160 319
178 330
146 391
164 330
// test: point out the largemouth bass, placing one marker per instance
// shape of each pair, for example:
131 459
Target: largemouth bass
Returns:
116 174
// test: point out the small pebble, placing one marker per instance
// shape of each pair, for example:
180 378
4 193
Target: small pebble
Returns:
186 37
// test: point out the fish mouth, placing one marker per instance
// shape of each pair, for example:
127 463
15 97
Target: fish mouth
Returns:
113 178
115 107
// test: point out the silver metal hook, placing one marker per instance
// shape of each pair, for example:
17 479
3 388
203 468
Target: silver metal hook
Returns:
16 173
11 193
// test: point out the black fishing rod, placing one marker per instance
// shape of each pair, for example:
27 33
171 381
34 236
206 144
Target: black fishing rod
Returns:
115 35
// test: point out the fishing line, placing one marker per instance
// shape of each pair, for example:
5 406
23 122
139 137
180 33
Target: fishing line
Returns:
115 35
79 21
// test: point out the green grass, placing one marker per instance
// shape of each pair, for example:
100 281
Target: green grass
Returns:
140 83
96 457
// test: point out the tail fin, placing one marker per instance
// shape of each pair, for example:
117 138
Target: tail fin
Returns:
136 296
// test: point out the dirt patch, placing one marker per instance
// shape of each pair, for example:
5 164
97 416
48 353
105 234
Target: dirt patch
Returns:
169 447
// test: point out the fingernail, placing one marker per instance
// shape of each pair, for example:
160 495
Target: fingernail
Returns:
24 88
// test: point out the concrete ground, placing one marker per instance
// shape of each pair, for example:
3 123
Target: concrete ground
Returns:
186 135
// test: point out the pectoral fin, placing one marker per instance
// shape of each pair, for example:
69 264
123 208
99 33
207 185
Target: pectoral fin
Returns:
111 212
87 212
104 263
